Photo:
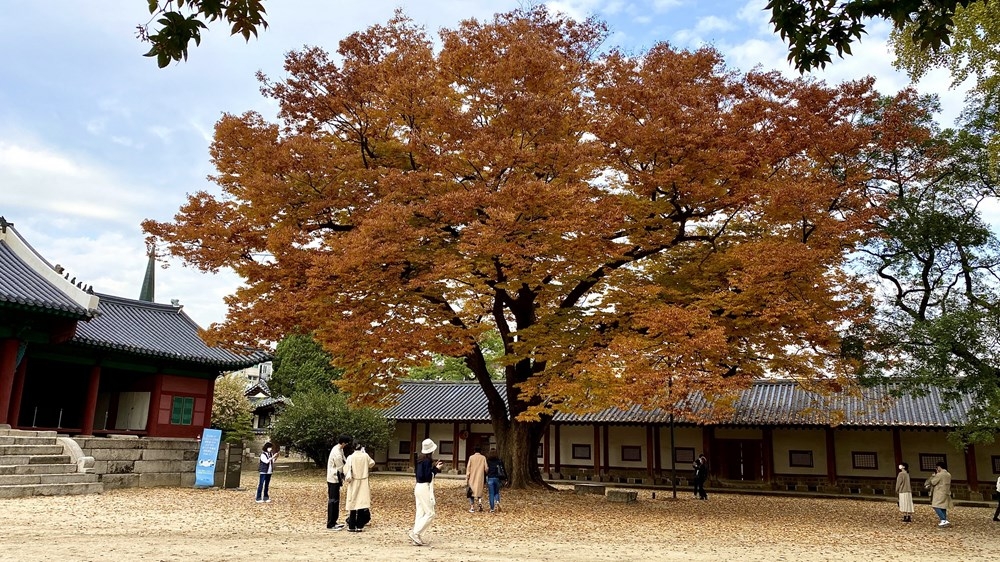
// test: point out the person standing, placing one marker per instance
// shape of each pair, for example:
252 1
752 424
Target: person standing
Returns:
266 468
905 492
495 473
996 514
334 480
475 477
359 492
940 485
700 476
423 491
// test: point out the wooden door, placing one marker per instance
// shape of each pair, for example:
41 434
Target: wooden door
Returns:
738 459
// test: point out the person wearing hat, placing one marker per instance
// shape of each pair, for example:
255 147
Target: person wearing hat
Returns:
423 491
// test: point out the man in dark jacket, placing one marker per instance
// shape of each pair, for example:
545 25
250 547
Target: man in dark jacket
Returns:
700 476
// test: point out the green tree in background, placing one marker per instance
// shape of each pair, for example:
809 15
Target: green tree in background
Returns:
178 22
813 27
231 410
315 418
938 262
301 364
444 368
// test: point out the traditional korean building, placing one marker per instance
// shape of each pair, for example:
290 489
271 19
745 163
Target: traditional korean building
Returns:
86 363
779 436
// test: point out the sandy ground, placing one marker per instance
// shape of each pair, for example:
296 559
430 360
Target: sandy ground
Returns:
186 524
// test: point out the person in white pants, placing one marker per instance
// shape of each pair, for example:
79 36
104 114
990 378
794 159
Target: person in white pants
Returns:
423 491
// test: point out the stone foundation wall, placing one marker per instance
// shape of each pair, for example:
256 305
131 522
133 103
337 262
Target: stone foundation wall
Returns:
144 462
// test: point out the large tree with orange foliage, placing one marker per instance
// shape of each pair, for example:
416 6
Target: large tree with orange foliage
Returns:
623 221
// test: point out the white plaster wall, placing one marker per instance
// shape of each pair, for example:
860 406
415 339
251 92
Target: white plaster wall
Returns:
785 440
878 441
689 437
626 435
931 442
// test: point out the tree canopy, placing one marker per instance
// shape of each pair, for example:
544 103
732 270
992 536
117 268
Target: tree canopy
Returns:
181 21
301 364
813 27
626 223
231 410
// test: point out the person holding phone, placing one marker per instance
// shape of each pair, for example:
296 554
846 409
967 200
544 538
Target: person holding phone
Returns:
423 491
266 469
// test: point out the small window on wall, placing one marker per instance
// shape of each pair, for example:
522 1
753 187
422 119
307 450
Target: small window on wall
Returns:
995 462
404 447
928 461
182 411
800 459
631 453
684 455
864 460
446 447
581 451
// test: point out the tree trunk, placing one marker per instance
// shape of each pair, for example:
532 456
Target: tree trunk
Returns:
518 444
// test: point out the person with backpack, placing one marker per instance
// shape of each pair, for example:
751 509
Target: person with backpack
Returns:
496 477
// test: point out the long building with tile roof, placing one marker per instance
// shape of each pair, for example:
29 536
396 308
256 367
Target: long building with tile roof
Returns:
88 363
777 435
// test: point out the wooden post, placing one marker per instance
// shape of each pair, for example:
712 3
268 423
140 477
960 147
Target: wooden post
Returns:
768 453
210 399
455 455
90 402
831 457
17 393
152 418
545 448
971 472
414 446
606 448
897 447
558 464
649 451
597 451
8 364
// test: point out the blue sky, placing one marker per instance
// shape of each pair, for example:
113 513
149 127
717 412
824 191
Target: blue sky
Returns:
94 138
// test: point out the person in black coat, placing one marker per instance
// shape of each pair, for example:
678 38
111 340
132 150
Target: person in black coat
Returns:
700 477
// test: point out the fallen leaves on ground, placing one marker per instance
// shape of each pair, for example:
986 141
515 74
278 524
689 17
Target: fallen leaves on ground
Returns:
216 524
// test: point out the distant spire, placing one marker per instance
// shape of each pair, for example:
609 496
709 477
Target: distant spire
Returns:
149 281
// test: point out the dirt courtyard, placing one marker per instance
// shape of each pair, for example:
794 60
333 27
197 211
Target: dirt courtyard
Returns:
172 524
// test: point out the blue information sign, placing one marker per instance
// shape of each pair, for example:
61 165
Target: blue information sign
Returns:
204 471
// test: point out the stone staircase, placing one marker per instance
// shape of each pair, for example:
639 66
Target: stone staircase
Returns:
37 463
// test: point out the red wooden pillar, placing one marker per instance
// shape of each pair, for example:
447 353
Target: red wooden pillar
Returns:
90 403
209 400
8 364
545 448
897 447
657 457
597 451
455 454
707 437
649 451
831 457
768 453
17 393
558 463
972 474
153 417
606 448
414 446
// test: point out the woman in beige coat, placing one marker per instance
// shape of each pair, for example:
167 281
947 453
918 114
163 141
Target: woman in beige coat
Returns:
359 493
940 485
475 478
905 492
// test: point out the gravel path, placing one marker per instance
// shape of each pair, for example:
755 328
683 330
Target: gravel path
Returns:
173 524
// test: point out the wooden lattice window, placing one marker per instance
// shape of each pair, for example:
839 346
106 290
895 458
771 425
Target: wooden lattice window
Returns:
995 462
800 459
404 447
864 460
683 455
928 461
446 447
631 453
182 411
581 451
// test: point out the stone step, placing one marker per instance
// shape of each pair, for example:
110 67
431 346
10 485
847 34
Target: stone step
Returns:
69 478
33 459
26 433
38 469
28 490
33 440
8 440
47 449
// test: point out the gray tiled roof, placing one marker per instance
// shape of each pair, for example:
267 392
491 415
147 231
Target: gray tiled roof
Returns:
156 330
23 287
773 403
